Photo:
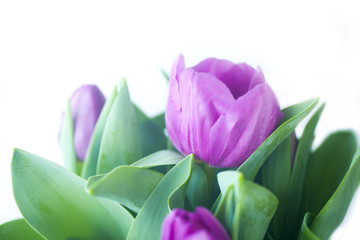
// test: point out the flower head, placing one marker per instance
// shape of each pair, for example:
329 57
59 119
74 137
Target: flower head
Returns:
183 225
86 104
219 111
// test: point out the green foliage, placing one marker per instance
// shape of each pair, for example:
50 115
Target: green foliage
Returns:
198 189
129 186
326 168
91 160
159 120
246 208
160 158
67 141
152 138
54 202
292 220
18 230
292 117
275 176
120 143
332 214
303 195
305 232
169 194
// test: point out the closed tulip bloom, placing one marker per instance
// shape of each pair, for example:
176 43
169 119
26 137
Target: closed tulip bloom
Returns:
219 111
86 104
183 225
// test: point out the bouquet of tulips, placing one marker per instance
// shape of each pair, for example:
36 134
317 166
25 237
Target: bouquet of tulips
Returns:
223 162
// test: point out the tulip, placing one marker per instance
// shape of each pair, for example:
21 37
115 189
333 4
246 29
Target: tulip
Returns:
219 111
86 104
183 225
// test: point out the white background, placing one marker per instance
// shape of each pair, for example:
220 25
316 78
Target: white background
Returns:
49 48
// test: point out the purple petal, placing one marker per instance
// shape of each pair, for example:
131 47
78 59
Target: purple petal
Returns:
203 99
237 77
257 78
86 105
217 230
183 225
173 107
201 235
249 121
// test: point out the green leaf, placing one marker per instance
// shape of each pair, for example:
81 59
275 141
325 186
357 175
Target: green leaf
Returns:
292 117
198 188
54 202
305 232
276 177
225 212
333 157
18 230
90 163
67 141
120 143
152 138
333 213
169 194
295 190
246 208
159 120
129 186
160 158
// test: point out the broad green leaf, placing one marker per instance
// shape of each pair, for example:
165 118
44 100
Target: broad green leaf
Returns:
159 120
152 138
169 194
18 230
67 141
293 115
160 158
198 188
276 177
90 163
326 168
55 203
333 213
305 232
293 218
129 186
246 208
120 143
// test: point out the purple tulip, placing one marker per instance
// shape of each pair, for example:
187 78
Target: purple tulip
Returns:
219 111
183 225
86 105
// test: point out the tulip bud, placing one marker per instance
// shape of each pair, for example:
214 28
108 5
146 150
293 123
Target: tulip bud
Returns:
183 225
86 104
219 111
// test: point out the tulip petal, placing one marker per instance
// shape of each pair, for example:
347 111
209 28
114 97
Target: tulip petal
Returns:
180 224
257 78
173 107
86 105
236 76
249 121
211 223
203 99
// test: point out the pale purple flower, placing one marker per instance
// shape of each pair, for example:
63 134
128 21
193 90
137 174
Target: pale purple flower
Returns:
219 111
183 225
86 105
